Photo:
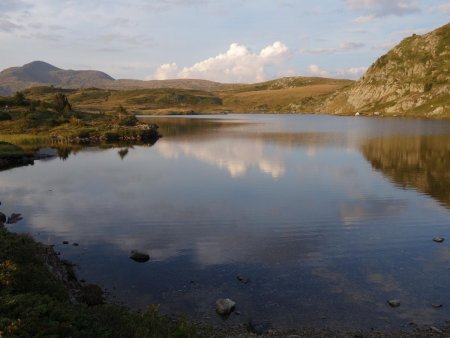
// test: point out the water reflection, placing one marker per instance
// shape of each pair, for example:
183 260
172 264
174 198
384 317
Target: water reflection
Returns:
419 162
290 202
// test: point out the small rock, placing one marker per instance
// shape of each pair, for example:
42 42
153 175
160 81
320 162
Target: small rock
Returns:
436 306
224 306
65 242
435 329
75 244
259 328
14 218
139 257
438 239
2 218
394 303
243 280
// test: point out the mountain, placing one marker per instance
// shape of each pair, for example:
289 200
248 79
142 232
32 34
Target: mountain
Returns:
39 73
413 79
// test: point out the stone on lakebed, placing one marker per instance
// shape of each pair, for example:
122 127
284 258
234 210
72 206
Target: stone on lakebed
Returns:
139 257
224 306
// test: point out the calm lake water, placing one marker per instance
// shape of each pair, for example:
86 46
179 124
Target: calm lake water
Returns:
329 217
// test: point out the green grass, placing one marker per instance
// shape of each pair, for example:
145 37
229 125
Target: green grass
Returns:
8 150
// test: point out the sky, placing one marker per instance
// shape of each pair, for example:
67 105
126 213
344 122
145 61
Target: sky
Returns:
219 40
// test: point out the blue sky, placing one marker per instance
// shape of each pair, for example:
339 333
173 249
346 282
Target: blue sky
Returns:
222 40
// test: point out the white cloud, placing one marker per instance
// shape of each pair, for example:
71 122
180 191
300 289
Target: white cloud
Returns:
379 8
343 47
365 18
353 72
7 25
444 8
317 71
237 64
348 73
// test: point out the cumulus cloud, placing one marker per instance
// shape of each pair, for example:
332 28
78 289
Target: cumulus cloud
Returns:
380 8
317 71
348 73
237 64
353 72
343 47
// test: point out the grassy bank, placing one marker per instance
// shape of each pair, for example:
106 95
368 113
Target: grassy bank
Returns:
34 120
34 302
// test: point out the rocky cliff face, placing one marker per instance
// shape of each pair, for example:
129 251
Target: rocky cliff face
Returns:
413 79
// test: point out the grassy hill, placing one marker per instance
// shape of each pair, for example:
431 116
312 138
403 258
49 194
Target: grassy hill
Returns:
94 90
290 95
295 94
413 79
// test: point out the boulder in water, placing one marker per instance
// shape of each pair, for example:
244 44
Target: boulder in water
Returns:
224 306
139 257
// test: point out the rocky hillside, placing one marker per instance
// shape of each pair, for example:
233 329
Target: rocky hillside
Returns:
413 79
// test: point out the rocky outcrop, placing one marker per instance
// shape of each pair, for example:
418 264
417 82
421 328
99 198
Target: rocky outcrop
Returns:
412 79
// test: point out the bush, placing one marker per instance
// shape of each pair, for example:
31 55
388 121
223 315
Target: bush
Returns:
111 136
129 121
19 99
61 103
84 133
5 116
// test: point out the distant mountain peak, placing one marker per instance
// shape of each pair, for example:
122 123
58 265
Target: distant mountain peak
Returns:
40 66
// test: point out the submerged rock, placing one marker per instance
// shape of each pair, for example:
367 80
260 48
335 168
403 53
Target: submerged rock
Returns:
138 256
14 218
65 242
438 239
394 303
2 218
243 280
224 306
436 306
435 329
259 328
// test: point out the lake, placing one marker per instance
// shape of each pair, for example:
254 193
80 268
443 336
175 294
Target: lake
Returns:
329 217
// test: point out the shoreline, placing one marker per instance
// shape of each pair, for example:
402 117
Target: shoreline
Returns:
91 296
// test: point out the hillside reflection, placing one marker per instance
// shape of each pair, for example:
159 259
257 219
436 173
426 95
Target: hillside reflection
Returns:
419 162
